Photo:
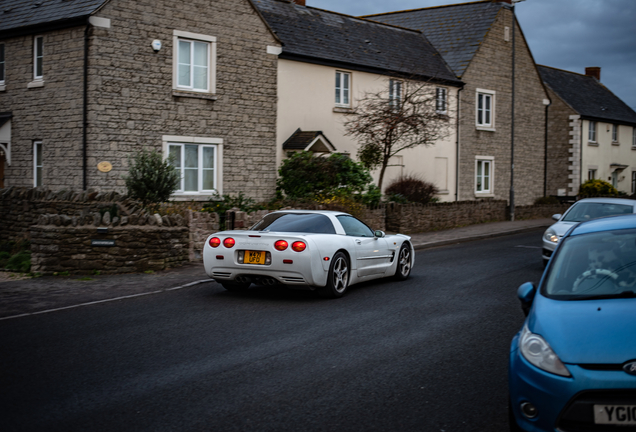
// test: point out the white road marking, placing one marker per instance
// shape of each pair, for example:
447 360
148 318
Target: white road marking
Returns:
108 300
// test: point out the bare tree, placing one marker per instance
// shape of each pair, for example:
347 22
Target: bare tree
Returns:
407 114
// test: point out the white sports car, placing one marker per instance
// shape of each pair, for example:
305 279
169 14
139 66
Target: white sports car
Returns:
326 251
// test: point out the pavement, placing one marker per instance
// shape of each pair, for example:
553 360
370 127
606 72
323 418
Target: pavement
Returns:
21 296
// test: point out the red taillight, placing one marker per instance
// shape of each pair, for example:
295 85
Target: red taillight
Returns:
215 242
299 246
281 245
229 242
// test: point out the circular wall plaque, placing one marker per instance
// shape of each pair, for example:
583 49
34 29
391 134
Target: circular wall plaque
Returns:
104 166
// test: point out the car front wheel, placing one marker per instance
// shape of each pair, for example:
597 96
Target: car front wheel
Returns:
337 278
403 269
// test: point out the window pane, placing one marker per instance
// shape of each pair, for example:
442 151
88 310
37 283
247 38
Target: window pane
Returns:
480 108
1 62
175 153
486 176
200 66
191 156
345 89
208 157
184 64
191 180
208 179
38 154
38 56
38 176
486 109
337 87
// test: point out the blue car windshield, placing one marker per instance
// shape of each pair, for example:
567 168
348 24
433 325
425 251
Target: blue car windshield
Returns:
593 266
312 223
590 210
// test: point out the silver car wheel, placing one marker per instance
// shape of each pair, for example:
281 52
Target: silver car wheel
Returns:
340 275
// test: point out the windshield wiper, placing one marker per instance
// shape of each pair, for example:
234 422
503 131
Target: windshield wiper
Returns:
624 294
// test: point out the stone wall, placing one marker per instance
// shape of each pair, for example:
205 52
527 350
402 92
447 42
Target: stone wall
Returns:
491 69
131 100
123 249
416 218
540 211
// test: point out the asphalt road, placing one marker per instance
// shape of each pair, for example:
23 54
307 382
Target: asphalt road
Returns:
427 354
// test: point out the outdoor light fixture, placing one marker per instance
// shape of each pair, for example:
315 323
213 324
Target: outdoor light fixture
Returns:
156 45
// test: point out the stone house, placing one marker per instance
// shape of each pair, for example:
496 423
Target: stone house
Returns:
591 133
84 84
327 64
476 40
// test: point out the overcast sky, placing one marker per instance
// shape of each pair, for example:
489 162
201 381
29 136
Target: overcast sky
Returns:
566 34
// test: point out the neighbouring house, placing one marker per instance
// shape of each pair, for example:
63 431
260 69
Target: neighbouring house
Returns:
591 133
327 64
476 40
84 84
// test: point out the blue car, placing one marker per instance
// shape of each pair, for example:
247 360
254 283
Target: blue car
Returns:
573 364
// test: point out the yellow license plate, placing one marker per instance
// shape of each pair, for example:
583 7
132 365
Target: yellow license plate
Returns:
254 257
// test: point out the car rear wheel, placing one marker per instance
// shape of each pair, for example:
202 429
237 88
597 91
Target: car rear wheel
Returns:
337 278
236 286
403 269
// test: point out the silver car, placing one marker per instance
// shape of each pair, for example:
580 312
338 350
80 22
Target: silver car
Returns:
585 209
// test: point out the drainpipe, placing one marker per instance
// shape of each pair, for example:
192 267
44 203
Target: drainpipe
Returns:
457 146
545 154
85 110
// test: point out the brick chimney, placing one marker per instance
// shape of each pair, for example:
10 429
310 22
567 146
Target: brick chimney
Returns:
593 72
299 2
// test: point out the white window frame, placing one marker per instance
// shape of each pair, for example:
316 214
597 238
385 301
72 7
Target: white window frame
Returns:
441 100
490 161
395 93
591 173
342 91
481 123
192 38
591 131
614 133
3 71
202 142
37 164
38 59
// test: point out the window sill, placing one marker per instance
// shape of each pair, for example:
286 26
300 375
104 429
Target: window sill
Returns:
195 95
344 110
592 144
443 192
3 87
615 143
633 147
485 128
35 84
484 195
193 197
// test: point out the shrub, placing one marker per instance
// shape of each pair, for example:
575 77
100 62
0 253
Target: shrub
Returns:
411 189
151 179
303 176
597 187
20 262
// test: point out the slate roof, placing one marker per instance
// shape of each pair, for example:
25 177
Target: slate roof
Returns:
456 30
587 96
20 14
331 38
301 139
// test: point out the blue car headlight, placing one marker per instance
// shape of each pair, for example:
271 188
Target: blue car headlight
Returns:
537 351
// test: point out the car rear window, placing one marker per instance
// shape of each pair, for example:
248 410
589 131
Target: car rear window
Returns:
586 211
296 222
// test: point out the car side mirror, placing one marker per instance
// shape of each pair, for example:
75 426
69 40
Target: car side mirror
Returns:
526 293
379 233
557 216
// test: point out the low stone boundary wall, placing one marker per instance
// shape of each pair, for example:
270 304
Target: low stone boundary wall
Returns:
122 249
415 218
539 211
